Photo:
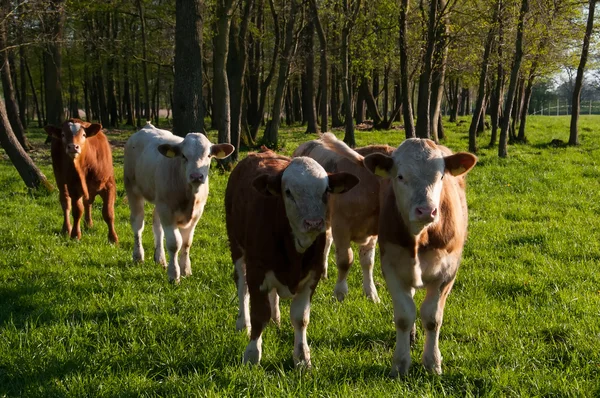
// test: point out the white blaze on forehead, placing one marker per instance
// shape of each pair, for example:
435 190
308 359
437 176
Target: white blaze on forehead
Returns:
419 158
305 175
195 146
74 127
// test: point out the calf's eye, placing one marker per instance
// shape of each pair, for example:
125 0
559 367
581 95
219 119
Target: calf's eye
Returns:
400 177
288 193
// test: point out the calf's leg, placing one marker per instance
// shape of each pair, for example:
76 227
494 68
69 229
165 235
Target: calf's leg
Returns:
344 258
136 218
300 316
328 242
367 259
77 213
274 303
405 313
159 240
108 211
243 319
65 202
187 237
87 210
260 312
432 313
173 246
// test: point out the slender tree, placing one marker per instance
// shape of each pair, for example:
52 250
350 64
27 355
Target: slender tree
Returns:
514 76
351 13
574 134
409 125
324 67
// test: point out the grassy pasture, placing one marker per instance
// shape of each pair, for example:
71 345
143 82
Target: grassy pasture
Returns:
80 319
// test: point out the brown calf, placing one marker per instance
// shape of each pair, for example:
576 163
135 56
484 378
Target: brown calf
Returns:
354 216
83 168
276 213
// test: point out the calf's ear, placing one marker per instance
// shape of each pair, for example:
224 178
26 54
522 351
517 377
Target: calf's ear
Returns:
269 185
379 164
53 132
341 182
169 150
92 129
221 151
460 163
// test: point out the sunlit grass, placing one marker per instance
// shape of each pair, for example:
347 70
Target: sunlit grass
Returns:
79 318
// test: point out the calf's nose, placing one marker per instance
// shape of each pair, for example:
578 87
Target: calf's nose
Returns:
426 213
314 225
196 178
74 147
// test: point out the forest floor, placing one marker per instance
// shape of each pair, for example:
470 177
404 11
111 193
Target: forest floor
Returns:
523 319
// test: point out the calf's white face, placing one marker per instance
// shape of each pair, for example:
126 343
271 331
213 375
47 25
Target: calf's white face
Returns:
305 187
417 169
195 153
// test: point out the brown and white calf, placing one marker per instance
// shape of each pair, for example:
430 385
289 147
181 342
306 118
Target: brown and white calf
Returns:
422 231
83 168
172 173
276 213
354 216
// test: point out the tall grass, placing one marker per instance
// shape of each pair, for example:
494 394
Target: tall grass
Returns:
81 319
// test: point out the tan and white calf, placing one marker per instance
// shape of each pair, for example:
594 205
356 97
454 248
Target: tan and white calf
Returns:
276 213
172 173
354 216
422 231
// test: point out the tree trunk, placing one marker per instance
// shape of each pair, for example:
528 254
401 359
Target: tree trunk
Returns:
386 93
110 74
221 99
264 86
439 73
514 74
12 107
23 86
423 121
479 105
271 135
409 125
311 107
348 24
574 133
335 99
127 103
496 100
369 99
188 112
453 98
255 72
236 69
525 109
324 68
40 118
52 65
31 175
146 82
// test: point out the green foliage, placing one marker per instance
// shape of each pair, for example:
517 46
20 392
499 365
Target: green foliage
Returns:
80 319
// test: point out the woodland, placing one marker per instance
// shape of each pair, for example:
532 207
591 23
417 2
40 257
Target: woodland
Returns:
247 67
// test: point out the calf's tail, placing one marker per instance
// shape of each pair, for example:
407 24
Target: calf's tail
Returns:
330 141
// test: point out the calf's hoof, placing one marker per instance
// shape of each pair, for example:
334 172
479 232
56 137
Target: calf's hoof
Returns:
252 354
138 257
159 258
302 357
341 291
241 324
372 295
400 368
113 238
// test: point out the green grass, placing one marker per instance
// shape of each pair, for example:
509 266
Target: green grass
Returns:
80 319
